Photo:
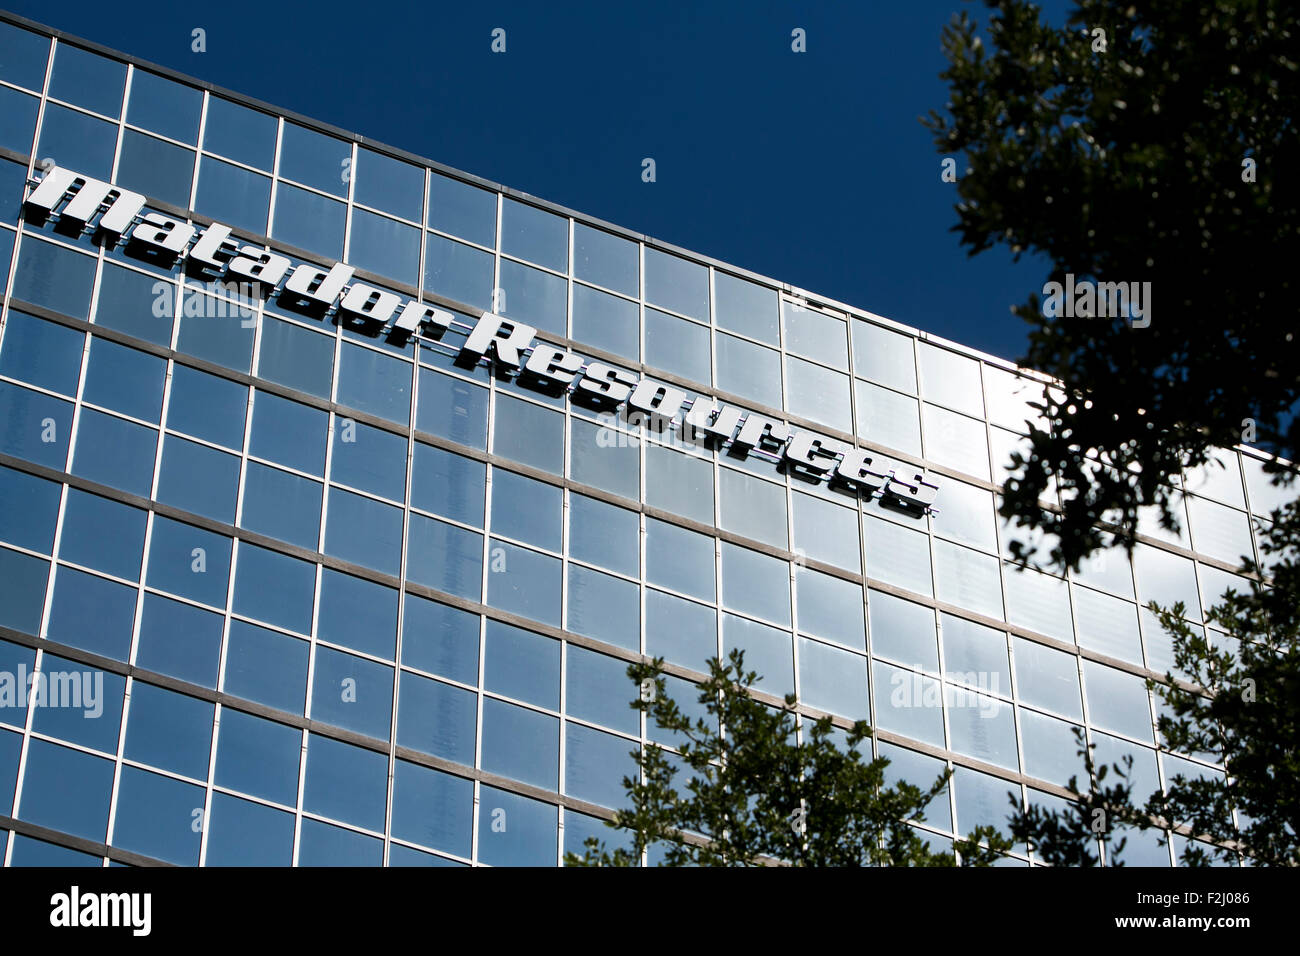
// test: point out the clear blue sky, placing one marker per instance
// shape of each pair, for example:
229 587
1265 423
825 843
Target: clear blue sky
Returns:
811 168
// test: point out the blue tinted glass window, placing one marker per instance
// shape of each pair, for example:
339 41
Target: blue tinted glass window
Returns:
156 168
604 607
80 704
124 379
28 509
677 284
169 730
266 667
297 357
830 607
440 639
164 106
10 747
309 221
25 56
369 458
27 432
243 833
752 507
289 433
677 346
22 586
529 433
374 383
432 808
527 509
232 195
207 406
274 588
834 680
13 179
749 370
54 277
443 556
352 692
358 614
448 484
535 297
114 452
604 534
681 483
755 583
453 409
42 353
767 652
92 613
605 259
680 631
595 764
155 816
315 160
520 743
526 583
746 307
346 783
462 210
213 328
436 718
389 184
364 531
605 321
528 837
599 690
199 479
679 559
240 133
77 141
188 561
67 790
612 465
283 505
325 845
17 120
179 640
521 664
126 303
29 852
102 534
88 79
258 756
535 234
458 271
385 246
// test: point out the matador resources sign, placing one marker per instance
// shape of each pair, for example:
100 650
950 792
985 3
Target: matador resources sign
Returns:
80 202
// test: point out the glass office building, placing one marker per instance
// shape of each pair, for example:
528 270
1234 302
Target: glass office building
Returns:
301 588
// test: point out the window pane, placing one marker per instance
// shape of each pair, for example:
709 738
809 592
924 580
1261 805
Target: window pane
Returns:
59 278
315 159
240 133
604 607
888 418
440 639
903 631
258 756
818 394
357 613
884 356
448 484
951 379
755 583
677 346
817 336
88 79
680 559
352 692
102 534
527 509
605 259
389 184
535 297
114 452
604 534
677 284
534 234
345 783
385 246
309 221
232 195
207 407
374 383
179 640
432 808
188 561
156 168
452 408
521 744
437 718
364 531
274 588
833 680
679 483
458 271
281 504
443 556
745 307
463 210
753 507
830 608
606 322
164 106
266 667
526 582
529 434
749 370
297 357
680 631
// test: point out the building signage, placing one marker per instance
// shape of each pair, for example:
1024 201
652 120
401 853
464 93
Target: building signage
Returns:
81 202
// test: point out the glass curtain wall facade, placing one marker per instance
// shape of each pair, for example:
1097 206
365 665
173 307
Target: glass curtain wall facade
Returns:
338 598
